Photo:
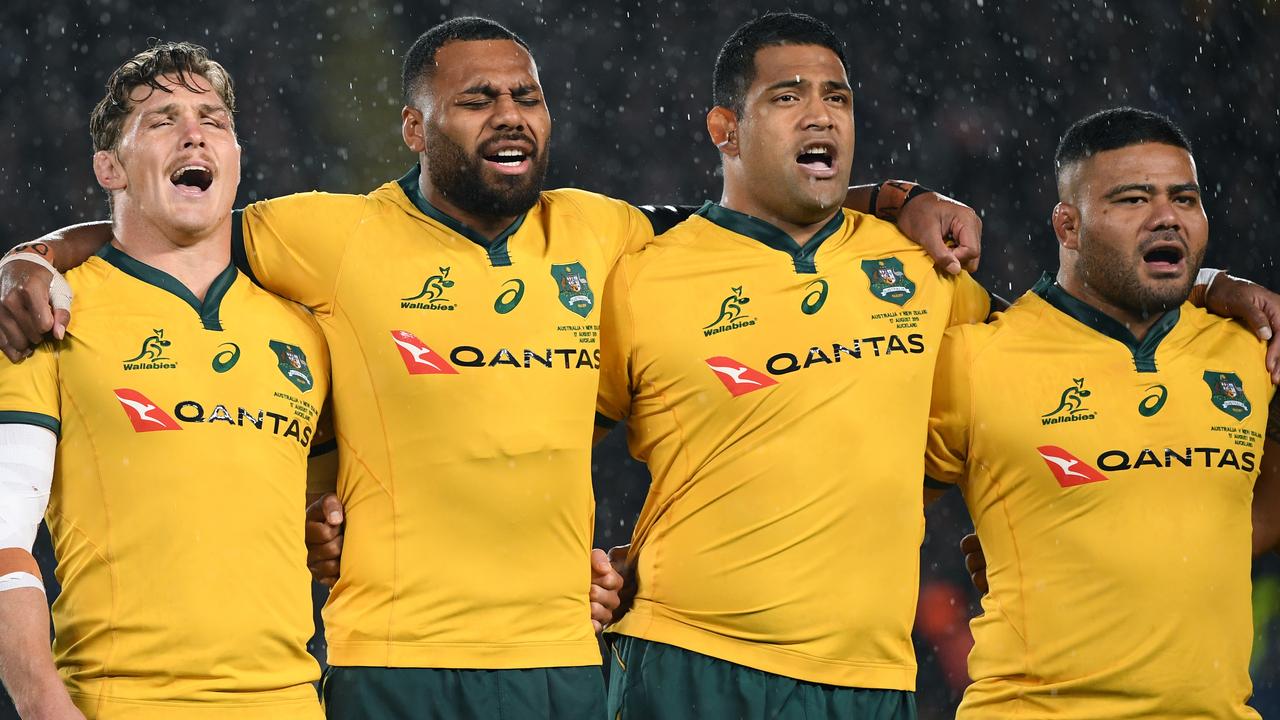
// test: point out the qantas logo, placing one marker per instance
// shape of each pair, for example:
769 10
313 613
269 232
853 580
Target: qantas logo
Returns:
738 379
143 414
418 358
1068 469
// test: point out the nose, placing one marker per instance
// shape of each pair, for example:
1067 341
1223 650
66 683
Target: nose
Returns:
507 114
1164 215
817 114
192 133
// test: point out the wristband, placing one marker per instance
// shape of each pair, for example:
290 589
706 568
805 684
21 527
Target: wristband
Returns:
890 197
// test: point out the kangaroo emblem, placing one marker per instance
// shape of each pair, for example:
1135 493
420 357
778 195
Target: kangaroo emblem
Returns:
730 308
433 289
153 347
1072 400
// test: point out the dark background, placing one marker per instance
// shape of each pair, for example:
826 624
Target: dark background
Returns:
967 96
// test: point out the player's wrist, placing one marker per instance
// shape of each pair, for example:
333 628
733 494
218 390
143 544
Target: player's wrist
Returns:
891 196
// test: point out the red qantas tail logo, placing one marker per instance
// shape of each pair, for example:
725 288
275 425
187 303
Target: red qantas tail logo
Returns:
738 379
143 413
418 358
1067 468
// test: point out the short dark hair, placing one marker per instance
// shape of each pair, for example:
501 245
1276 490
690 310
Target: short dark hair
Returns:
180 60
736 64
420 61
1114 129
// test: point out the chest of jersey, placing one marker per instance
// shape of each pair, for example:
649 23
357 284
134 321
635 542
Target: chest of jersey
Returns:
145 363
733 331
449 331
1088 419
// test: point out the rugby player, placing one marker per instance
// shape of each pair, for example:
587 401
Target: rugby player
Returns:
439 295
179 385
1107 437
781 413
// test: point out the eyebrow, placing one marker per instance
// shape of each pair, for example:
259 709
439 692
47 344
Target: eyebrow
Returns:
172 109
488 90
1151 189
797 82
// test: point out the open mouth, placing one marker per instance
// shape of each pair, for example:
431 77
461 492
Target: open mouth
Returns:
818 160
1165 258
509 156
196 177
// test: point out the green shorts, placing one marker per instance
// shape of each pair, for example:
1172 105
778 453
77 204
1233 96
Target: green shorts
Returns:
377 693
653 681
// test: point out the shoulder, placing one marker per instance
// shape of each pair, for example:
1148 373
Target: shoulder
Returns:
1002 331
273 309
873 236
1219 336
582 202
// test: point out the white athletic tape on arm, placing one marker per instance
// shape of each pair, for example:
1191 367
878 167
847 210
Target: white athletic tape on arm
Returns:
1206 276
16 580
26 475
59 291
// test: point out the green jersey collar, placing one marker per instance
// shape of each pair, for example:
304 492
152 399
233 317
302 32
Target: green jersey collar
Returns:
756 229
207 310
497 249
1144 352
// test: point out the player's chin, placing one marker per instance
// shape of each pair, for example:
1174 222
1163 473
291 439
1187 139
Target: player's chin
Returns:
1166 292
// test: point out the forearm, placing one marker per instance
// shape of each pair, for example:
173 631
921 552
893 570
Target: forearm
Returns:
26 662
859 198
72 245
1266 498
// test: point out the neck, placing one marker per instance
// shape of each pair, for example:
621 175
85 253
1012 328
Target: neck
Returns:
194 261
486 225
800 230
1075 286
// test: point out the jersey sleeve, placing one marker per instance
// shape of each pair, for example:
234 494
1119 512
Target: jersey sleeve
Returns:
947 449
971 302
29 392
613 402
294 245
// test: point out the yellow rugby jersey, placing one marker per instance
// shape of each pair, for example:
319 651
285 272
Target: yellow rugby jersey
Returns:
177 503
1110 482
780 396
464 376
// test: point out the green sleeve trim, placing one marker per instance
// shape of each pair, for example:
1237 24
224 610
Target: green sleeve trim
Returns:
604 421
15 417
936 484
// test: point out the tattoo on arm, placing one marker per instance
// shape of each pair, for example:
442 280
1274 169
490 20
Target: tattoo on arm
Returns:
38 248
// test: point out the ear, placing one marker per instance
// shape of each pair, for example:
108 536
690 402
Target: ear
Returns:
722 125
411 129
108 170
1066 225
